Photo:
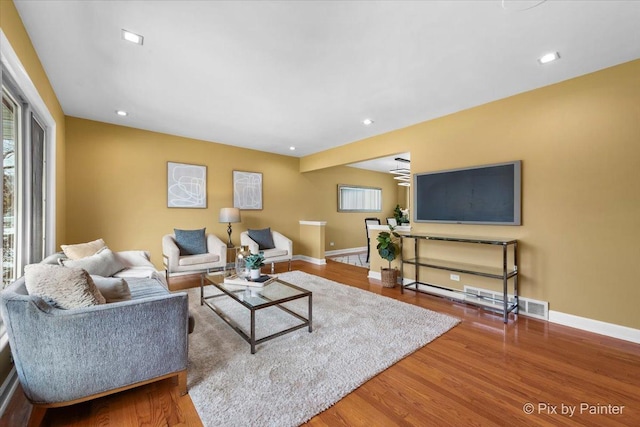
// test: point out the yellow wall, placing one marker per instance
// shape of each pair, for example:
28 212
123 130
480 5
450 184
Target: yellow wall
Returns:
579 142
21 43
117 180
312 241
347 229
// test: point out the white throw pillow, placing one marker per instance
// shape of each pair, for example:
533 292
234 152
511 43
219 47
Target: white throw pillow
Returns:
82 250
113 289
63 287
104 263
135 259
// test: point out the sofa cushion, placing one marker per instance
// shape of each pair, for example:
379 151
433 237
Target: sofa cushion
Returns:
263 238
272 253
62 287
198 259
104 263
113 289
145 288
82 250
191 242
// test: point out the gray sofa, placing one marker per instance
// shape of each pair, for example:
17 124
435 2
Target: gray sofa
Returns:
64 357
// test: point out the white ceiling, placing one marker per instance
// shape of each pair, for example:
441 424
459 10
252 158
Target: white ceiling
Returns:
385 164
269 75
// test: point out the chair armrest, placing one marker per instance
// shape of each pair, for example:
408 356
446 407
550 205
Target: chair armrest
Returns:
248 241
217 247
170 252
63 355
282 242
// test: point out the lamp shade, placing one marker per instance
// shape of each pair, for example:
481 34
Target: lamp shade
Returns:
229 215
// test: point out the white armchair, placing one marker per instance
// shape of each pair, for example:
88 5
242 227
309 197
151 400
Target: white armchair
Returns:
216 256
281 252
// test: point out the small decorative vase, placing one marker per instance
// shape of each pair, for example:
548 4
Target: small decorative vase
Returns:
241 256
255 273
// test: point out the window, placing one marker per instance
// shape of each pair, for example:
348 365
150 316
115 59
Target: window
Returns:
10 130
24 178
353 198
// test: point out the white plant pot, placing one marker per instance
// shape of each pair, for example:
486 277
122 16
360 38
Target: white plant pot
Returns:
255 274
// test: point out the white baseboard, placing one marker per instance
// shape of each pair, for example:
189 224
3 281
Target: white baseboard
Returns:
595 326
316 261
7 389
346 251
583 323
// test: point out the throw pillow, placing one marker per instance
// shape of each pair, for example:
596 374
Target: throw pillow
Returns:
135 259
82 250
263 238
54 259
104 263
191 242
113 289
64 288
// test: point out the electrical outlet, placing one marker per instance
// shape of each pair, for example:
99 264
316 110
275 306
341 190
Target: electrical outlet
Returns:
330 243
454 277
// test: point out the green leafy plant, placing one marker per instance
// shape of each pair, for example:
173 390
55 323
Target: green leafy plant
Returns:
400 215
388 247
254 261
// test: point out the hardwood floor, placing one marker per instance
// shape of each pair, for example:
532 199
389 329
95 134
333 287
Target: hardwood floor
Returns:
482 372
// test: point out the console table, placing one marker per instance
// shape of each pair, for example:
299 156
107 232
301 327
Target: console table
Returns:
503 273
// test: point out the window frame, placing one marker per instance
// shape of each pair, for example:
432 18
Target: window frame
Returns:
13 74
375 192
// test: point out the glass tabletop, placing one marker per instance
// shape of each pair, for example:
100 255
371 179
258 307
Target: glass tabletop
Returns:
273 292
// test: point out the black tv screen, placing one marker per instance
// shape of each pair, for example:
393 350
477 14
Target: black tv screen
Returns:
488 194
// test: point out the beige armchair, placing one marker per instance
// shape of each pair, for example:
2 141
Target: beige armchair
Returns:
215 258
281 251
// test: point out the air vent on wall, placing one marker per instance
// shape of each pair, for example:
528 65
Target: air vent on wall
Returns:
527 306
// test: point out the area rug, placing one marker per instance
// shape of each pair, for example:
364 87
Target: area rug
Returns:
356 335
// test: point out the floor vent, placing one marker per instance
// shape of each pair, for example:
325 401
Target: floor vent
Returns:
528 307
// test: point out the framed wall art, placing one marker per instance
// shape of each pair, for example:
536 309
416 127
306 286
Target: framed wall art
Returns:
247 190
186 186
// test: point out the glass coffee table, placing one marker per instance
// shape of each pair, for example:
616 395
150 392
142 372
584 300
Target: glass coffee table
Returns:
274 293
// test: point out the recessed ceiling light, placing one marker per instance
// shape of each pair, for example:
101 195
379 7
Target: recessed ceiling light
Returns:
367 122
549 57
132 37
292 148
122 113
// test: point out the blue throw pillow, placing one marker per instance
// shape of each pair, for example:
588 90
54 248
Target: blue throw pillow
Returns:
191 242
263 238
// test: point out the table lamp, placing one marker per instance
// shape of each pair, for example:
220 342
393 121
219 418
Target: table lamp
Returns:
229 215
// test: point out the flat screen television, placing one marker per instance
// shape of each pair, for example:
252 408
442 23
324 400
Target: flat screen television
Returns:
488 194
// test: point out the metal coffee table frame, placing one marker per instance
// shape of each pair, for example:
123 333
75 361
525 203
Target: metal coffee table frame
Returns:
251 338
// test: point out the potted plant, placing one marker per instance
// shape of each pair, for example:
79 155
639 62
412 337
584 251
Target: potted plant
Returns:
388 249
253 263
401 215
